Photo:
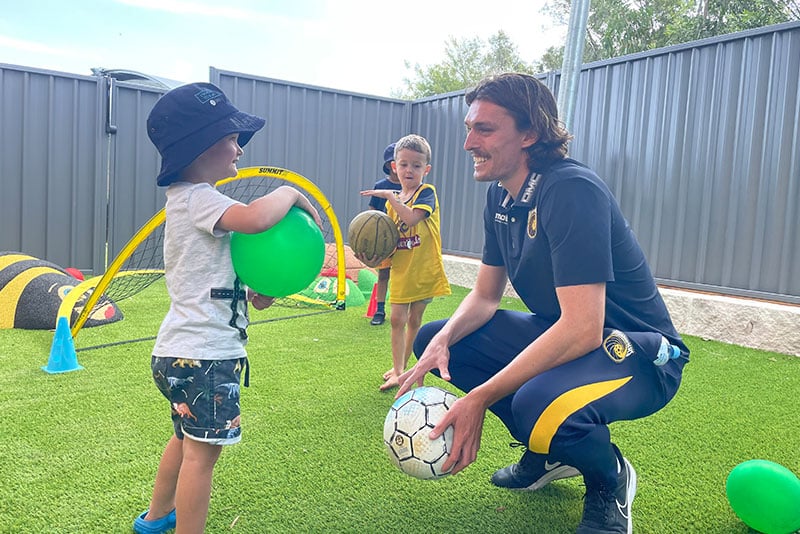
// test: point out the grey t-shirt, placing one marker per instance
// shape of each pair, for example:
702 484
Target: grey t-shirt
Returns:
197 259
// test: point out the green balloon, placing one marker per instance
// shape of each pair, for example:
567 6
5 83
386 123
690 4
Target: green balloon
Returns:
765 496
282 260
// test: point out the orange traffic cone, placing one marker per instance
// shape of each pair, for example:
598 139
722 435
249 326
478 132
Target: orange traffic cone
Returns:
373 302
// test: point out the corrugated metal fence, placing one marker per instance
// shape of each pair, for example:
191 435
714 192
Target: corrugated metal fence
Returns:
700 145
699 142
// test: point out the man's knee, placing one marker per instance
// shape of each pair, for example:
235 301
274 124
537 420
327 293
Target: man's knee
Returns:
425 334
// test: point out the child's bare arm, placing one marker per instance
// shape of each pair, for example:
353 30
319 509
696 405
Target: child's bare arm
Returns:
410 216
407 214
265 212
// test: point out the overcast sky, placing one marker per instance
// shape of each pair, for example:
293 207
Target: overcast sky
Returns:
354 45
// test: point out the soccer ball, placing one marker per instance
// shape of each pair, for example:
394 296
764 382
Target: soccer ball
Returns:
405 432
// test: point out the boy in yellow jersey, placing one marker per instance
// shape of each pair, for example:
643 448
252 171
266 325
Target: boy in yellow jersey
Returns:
417 272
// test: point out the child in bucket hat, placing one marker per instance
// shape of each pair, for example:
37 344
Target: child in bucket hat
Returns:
186 121
200 135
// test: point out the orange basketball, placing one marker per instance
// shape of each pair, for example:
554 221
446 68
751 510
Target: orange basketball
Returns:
373 234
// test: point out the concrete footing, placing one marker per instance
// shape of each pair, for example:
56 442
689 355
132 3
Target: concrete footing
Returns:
745 322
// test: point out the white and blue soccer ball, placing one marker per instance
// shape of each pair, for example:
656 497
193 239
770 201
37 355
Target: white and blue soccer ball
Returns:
408 424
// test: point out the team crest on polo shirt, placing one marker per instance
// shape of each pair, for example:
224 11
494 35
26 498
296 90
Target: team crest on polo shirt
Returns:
532 223
617 346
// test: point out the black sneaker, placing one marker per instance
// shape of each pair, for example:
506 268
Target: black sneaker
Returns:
531 474
378 318
606 512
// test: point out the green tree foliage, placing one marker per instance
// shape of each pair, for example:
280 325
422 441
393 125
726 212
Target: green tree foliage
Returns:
619 27
466 62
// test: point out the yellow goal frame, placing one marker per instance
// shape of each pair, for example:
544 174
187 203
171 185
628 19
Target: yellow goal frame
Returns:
99 283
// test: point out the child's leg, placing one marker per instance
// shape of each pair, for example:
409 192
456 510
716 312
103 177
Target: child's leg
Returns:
163 500
391 372
398 320
381 288
187 465
193 491
416 311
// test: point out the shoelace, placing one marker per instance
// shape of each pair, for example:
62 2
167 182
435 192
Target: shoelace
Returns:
524 464
598 506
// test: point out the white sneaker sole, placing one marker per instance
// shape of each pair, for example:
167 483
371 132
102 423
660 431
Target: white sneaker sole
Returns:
630 493
562 471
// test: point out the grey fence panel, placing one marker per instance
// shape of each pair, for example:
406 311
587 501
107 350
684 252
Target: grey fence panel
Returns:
333 138
441 121
49 164
134 196
699 144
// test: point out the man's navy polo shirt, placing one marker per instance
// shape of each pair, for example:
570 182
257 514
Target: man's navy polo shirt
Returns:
566 229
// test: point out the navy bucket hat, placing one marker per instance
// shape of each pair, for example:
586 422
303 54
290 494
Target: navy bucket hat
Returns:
188 120
388 157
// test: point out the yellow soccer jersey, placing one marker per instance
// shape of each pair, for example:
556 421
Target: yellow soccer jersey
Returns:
417 266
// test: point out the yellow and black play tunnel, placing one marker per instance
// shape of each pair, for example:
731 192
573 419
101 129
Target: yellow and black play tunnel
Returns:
31 291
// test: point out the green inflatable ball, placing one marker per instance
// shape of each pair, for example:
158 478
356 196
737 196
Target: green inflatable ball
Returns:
366 279
765 496
282 260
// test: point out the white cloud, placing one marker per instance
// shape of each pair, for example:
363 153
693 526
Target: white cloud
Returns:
354 45
258 14
190 8
32 46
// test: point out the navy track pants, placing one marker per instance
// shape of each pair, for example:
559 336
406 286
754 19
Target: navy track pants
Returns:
563 414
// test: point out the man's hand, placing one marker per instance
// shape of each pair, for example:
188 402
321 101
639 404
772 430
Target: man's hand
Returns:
436 356
466 417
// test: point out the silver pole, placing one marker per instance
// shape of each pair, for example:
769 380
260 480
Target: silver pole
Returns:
573 58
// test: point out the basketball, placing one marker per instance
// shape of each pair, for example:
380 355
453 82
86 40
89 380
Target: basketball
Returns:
373 235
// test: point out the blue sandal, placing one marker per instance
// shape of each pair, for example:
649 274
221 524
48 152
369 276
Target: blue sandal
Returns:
156 526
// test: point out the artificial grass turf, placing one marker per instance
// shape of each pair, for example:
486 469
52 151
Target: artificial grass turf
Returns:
80 449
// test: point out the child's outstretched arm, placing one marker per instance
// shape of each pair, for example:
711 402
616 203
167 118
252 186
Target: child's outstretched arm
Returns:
265 212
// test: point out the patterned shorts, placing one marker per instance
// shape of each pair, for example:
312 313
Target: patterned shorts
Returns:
204 397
